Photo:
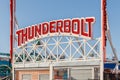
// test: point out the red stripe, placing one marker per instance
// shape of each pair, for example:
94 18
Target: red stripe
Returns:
104 28
11 29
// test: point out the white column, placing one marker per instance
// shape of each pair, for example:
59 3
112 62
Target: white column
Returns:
68 73
101 62
13 73
101 71
51 72
93 73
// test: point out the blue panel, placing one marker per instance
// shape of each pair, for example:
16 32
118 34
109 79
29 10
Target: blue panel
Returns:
110 65
5 63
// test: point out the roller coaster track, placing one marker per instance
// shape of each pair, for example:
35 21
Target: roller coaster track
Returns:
5 72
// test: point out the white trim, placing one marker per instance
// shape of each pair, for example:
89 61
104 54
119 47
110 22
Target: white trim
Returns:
93 73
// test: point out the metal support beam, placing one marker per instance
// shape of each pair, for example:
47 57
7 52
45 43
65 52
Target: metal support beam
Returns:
11 28
103 37
12 18
103 27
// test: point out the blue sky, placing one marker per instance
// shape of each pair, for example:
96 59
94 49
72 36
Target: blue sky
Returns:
29 12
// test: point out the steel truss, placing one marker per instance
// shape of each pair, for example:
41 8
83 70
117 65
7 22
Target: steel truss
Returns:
57 49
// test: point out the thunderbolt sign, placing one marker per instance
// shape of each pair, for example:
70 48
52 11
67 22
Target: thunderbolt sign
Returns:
69 27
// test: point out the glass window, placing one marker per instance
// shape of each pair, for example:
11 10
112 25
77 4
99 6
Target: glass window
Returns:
26 77
44 77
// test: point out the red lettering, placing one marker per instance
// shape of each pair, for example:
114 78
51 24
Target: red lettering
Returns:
19 33
31 32
76 26
59 26
90 21
45 28
24 35
37 30
52 27
83 28
67 24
